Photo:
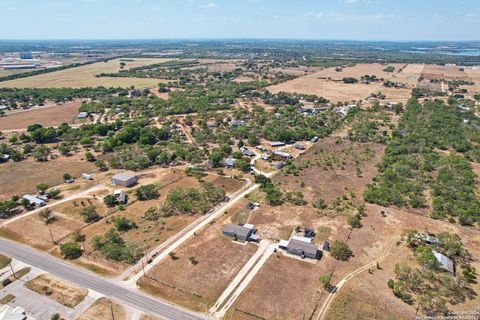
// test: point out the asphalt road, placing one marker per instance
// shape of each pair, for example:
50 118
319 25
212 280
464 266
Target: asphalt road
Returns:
64 270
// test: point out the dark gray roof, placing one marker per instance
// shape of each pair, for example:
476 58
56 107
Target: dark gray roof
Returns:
310 248
124 176
236 229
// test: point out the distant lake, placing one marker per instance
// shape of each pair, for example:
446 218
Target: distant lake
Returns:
453 52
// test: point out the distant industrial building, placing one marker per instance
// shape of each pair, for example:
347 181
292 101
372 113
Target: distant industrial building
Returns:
26 55
124 179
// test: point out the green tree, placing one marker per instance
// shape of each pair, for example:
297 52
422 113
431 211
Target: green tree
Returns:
90 214
46 216
70 250
147 192
110 201
340 250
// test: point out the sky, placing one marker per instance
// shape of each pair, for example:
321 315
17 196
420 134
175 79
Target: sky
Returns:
253 19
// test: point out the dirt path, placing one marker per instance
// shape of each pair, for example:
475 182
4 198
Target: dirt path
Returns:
83 194
341 283
241 283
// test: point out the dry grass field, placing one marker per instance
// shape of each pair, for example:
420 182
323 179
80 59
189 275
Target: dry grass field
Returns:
47 116
22 177
102 310
431 72
84 76
197 285
56 289
327 82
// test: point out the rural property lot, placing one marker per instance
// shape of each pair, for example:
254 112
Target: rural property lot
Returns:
47 116
327 82
433 71
367 295
84 76
198 284
22 177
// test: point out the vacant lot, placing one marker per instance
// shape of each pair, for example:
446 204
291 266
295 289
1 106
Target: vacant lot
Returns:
431 72
102 309
23 176
84 76
204 267
327 83
56 289
47 116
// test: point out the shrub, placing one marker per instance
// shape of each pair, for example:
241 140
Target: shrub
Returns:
70 250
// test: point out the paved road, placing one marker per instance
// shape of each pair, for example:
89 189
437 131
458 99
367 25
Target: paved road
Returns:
89 280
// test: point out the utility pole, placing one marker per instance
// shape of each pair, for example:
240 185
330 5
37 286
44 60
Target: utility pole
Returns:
51 235
111 310
13 271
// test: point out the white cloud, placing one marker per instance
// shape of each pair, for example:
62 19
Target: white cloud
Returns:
359 1
156 9
351 17
209 5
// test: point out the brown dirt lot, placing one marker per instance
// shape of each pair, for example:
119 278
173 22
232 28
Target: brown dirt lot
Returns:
23 176
101 310
198 286
48 116
432 71
321 83
58 290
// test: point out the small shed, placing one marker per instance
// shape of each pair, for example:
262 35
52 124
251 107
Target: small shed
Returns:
120 195
326 246
124 179
82 115
445 262
299 146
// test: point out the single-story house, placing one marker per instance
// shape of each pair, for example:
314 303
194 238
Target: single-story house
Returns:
120 195
303 249
230 162
124 179
238 232
278 165
445 262
277 144
262 148
248 153
34 200
82 115
282 154
299 146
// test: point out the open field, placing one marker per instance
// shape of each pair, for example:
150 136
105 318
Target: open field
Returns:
368 296
431 72
23 176
47 116
56 289
84 76
198 284
102 309
327 82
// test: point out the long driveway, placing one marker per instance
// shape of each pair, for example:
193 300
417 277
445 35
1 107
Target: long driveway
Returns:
83 278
